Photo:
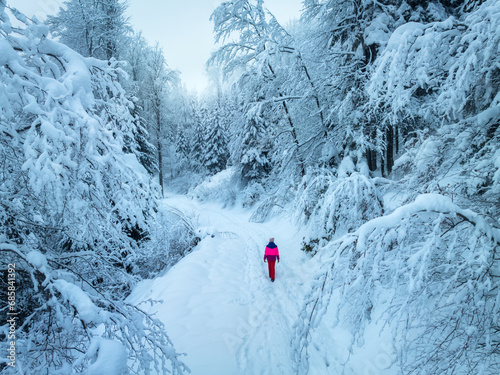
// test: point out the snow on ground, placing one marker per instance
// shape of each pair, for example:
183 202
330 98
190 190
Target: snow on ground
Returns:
218 304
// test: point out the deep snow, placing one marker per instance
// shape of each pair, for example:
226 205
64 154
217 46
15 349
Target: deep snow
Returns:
218 304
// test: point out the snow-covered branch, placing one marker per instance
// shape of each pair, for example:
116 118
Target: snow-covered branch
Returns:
418 261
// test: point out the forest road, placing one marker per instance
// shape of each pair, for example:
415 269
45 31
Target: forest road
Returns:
218 303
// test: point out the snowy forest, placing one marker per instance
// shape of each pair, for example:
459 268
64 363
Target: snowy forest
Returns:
365 133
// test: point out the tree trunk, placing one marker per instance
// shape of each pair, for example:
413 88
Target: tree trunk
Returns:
295 140
382 164
389 148
315 96
160 166
371 158
371 154
396 140
158 146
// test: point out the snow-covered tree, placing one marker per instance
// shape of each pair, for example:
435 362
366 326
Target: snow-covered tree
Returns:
197 144
215 143
135 53
92 28
182 147
348 35
257 59
341 41
158 81
255 148
448 76
100 29
144 150
72 201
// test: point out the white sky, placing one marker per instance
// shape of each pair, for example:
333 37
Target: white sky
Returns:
182 28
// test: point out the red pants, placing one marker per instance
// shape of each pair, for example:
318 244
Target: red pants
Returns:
270 265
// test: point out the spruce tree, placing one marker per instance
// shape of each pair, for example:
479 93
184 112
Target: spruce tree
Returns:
216 154
254 150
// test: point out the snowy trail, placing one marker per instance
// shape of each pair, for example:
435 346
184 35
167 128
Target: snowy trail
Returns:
219 305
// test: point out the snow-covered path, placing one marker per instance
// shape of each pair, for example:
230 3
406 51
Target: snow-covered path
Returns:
218 304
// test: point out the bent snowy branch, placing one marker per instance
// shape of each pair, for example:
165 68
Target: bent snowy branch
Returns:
416 262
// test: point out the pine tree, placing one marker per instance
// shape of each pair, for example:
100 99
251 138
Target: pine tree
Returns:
255 148
197 142
144 150
215 153
182 145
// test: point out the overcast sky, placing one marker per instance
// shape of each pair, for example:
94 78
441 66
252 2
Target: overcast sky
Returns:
182 28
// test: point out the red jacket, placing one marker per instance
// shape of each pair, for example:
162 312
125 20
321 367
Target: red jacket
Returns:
272 253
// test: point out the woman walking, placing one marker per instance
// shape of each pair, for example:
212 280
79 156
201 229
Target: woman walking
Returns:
271 255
